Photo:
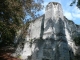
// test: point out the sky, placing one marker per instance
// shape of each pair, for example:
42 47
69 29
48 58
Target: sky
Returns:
71 12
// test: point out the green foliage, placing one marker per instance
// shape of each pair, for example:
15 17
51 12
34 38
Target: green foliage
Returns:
19 56
77 40
7 34
78 4
24 29
12 14
76 1
77 57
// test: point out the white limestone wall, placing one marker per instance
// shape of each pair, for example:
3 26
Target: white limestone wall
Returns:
49 11
53 14
34 32
48 27
53 11
35 28
71 31
51 26
27 51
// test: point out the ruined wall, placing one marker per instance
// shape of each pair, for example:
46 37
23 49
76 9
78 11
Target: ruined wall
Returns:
50 37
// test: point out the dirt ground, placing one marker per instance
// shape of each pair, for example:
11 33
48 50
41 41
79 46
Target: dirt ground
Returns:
5 54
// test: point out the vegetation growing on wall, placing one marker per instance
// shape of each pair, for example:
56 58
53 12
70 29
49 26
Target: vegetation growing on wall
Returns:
77 40
12 15
77 57
23 33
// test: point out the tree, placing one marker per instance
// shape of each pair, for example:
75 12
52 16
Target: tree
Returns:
12 14
76 1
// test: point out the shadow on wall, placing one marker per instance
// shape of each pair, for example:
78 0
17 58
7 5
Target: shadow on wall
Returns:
45 46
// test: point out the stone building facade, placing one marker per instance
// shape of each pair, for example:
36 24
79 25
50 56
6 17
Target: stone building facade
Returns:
50 37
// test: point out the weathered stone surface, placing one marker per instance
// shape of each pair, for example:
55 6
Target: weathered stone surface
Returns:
50 37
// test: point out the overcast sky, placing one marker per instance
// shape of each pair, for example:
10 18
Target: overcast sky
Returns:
72 13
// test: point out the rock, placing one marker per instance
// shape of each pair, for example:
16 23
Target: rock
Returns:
50 37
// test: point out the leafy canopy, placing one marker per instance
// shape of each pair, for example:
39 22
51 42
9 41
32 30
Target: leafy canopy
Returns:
12 14
76 1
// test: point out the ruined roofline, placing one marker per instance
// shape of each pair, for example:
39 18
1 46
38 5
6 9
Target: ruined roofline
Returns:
37 18
55 3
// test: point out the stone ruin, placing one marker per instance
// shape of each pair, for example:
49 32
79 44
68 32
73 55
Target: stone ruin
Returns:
50 37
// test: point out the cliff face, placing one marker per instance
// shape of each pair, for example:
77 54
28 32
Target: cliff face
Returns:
50 37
